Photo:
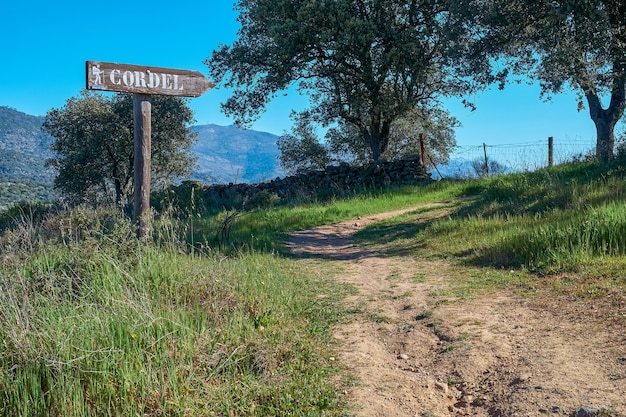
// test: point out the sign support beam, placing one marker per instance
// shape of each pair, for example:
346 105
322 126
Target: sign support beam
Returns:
142 132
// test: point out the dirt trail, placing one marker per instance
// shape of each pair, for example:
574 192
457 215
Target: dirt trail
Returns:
417 354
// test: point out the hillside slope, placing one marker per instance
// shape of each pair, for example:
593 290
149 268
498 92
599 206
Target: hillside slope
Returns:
24 148
225 154
230 154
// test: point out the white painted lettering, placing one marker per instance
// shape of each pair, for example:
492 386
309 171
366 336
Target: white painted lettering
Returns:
176 86
167 81
112 77
140 79
128 78
153 80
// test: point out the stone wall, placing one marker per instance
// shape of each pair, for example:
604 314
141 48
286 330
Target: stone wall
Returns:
334 180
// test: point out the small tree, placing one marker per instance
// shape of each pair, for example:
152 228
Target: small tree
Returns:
434 124
437 128
301 151
94 145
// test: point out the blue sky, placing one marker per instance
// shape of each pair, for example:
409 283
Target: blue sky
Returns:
45 45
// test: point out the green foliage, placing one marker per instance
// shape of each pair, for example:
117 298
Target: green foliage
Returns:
24 150
567 239
94 145
263 199
568 218
17 213
565 44
435 125
301 151
185 199
14 193
363 63
95 322
266 229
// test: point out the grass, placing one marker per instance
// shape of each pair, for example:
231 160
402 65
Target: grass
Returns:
570 219
200 323
109 326
266 229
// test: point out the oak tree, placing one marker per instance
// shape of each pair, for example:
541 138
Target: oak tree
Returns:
94 149
434 124
565 44
300 150
363 63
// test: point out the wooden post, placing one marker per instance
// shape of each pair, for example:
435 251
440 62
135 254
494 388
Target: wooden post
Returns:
486 162
550 151
422 149
142 114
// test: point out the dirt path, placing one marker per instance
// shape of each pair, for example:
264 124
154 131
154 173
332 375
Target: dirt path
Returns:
415 353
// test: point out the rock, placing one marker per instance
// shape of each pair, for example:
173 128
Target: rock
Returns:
520 379
588 411
467 399
403 356
441 387
333 179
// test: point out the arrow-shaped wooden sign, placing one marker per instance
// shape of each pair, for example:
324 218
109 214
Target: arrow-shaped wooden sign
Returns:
144 82
109 76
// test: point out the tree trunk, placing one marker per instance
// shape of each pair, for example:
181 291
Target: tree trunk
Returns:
605 141
119 193
376 151
606 119
378 137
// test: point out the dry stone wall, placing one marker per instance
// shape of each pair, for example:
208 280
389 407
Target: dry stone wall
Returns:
334 180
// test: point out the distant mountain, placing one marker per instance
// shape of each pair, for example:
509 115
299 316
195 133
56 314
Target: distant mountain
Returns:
230 154
225 154
23 148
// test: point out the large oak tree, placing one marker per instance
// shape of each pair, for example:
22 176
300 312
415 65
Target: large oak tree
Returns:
363 63
94 145
578 44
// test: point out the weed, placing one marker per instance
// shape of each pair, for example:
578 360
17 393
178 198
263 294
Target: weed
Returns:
95 322
377 318
424 314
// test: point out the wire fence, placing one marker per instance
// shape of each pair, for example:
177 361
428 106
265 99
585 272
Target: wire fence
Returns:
486 159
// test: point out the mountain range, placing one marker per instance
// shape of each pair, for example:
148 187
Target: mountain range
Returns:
230 154
225 153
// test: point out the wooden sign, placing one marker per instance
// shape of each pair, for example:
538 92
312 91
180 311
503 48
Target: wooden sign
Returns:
144 82
109 76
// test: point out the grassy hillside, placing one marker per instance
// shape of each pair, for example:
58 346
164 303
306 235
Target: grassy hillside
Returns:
95 323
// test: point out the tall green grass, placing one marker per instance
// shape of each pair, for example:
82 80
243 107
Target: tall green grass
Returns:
559 219
568 218
96 323
568 239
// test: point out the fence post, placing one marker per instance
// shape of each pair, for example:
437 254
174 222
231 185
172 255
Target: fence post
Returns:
550 151
486 162
422 150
